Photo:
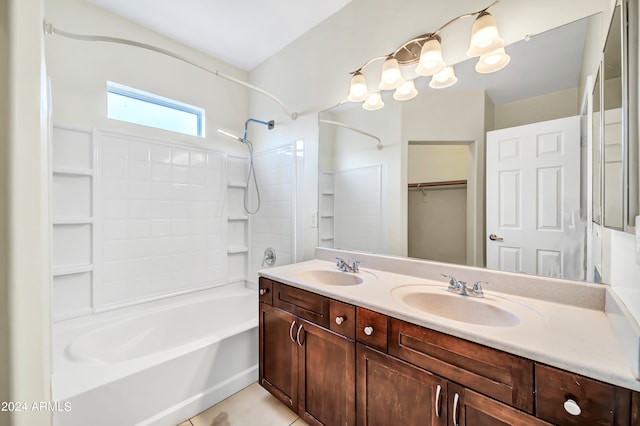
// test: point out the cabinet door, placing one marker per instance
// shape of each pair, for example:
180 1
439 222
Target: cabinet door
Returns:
470 408
327 377
393 392
279 354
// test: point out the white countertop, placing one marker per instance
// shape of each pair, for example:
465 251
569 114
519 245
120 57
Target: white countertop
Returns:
574 337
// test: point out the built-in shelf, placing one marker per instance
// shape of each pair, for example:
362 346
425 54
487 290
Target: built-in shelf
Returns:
327 193
236 185
237 250
70 270
326 216
73 172
327 238
237 218
72 220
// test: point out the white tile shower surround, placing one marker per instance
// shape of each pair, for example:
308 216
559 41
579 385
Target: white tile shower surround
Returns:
274 224
358 209
161 208
135 219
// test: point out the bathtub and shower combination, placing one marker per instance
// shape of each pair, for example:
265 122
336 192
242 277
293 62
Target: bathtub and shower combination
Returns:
156 364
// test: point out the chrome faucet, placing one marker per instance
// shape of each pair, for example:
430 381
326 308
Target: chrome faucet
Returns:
460 287
345 267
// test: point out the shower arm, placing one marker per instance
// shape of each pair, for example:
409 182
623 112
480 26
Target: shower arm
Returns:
49 29
269 124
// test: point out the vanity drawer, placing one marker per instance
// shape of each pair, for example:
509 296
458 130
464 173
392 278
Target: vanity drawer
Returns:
310 306
502 376
342 318
371 329
592 402
265 290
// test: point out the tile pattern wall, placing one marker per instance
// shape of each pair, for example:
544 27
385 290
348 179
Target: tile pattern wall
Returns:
136 219
274 224
161 217
358 209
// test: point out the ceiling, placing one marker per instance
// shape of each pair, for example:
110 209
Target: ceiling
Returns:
238 33
242 33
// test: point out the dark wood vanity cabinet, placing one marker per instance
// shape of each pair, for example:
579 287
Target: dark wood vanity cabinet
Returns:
310 368
393 392
338 364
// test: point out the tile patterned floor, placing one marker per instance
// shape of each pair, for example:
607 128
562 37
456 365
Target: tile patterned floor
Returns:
252 406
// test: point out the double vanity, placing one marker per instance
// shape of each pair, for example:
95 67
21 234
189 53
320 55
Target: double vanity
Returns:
398 343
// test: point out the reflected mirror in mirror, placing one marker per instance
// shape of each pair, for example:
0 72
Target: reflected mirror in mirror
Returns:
597 154
613 135
431 169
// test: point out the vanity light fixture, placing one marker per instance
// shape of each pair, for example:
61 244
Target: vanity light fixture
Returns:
425 52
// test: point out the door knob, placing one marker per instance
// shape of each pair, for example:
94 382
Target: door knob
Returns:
494 237
339 320
368 331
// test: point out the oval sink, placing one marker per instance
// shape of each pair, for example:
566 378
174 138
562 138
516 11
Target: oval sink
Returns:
328 277
489 311
460 308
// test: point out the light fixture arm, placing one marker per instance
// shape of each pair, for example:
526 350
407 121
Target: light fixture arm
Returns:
49 29
468 15
421 38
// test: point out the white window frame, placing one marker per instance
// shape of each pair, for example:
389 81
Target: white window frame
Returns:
153 99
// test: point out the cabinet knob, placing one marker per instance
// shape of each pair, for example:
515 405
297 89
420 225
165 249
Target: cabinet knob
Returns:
339 320
368 330
572 407
264 291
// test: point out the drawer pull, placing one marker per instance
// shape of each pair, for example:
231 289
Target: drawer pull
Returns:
572 407
456 401
339 320
264 291
438 394
293 324
298 335
368 330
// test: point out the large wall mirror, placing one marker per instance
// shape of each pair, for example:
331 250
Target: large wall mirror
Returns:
616 147
410 179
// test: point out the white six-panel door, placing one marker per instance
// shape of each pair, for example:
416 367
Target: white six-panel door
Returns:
533 199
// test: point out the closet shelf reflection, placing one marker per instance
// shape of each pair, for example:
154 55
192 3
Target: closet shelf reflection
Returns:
437 184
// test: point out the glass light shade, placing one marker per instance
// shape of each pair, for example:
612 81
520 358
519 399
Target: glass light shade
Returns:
406 91
493 61
373 102
358 91
484 36
430 58
444 78
391 75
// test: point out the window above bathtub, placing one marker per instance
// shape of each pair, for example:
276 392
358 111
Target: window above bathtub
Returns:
147 109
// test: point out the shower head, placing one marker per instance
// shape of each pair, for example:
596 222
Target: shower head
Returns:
238 138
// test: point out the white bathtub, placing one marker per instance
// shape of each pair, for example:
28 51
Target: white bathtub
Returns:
157 365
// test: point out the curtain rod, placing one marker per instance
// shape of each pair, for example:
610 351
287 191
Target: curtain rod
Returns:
50 29
346 126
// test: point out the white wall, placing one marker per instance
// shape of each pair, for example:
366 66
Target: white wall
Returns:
540 108
5 369
80 70
25 375
437 163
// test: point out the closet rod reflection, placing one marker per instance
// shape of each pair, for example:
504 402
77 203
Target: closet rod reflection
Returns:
442 183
